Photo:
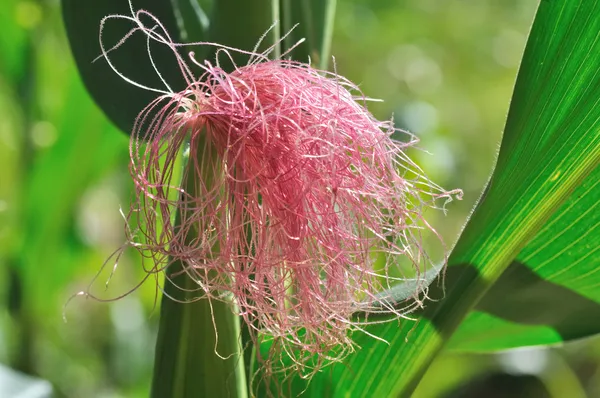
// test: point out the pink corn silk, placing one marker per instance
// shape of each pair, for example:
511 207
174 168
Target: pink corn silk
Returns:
296 190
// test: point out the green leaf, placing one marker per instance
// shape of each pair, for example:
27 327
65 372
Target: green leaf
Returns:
551 144
240 24
315 20
120 100
553 285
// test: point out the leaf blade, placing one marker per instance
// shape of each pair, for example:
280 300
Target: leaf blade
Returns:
550 299
120 101
551 144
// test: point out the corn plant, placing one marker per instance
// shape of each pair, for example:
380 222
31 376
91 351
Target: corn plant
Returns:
522 272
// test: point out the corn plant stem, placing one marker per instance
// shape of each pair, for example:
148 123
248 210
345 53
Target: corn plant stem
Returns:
286 22
315 19
276 15
326 39
561 380
191 359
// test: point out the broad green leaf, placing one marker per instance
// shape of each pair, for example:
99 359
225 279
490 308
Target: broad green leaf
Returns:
553 285
234 23
240 24
120 100
551 144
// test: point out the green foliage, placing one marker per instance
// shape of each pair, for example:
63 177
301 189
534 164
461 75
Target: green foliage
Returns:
550 145
549 294
547 172
120 100
529 250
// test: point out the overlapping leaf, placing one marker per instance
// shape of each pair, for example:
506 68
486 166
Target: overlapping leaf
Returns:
120 100
531 238
551 292
550 146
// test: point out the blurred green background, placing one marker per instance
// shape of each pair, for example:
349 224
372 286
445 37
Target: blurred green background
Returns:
445 70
